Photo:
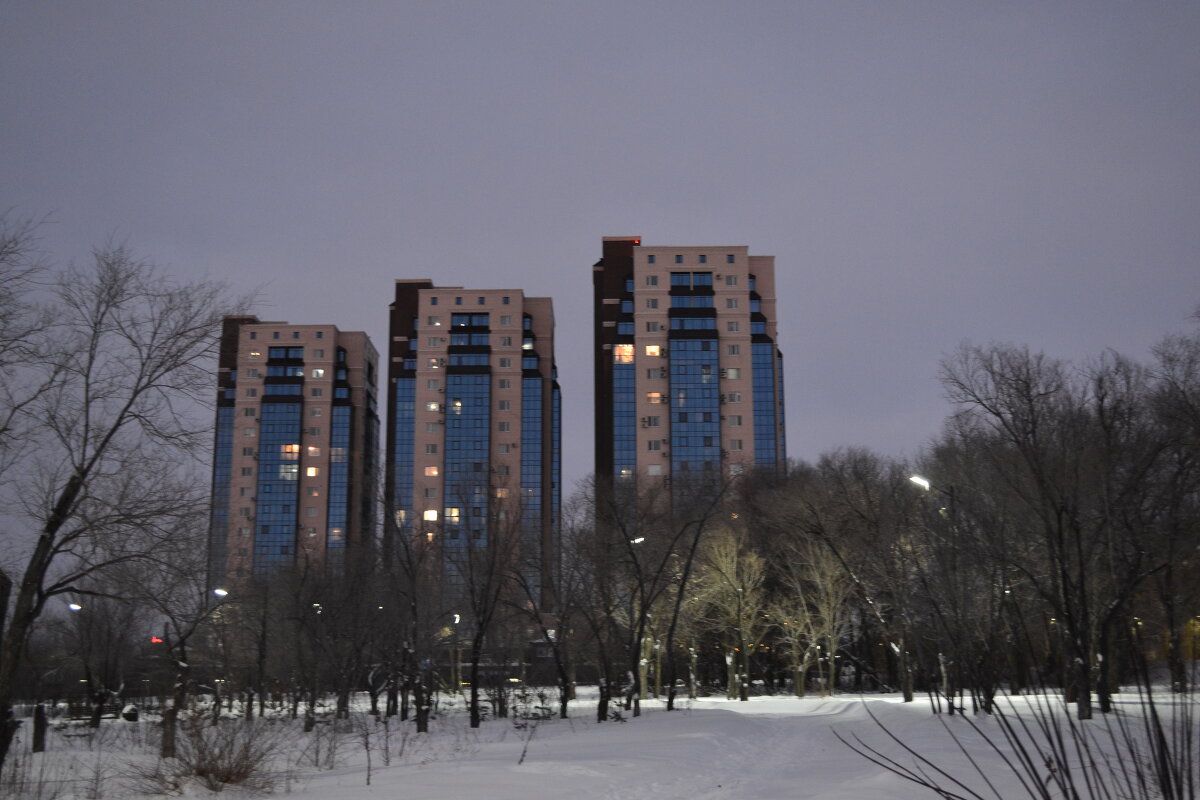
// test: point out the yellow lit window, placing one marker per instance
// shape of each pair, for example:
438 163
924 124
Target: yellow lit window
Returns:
312 472
653 350
313 452
623 354
289 452
431 515
431 471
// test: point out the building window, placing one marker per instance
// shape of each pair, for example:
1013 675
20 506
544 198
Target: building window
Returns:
650 260
480 301
501 493
505 363
504 383
252 393
731 302
735 444
732 373
652 302
295 334
653 350
731 326
433 405
430 515
243 512
506 319
652 280
431 472
314 491
247 471
623 354
654 444
434 322
729 258
458 301
431 427
247 431
253 335
653 422
275 334
318 373
431 491
255 354
654 397
248 412
625 328
503 449
733 397
654 469
506 341
504 427
317 393
503 405
246 491
734 420
431 449
433 301
703 259
731 280
653 327
734 349
678 259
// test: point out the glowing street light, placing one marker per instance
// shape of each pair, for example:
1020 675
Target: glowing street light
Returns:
221 592
919 481
75 606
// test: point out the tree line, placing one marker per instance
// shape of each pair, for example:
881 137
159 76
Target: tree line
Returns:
1050 542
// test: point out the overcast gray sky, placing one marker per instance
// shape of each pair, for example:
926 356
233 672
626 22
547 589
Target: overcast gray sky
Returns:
923 172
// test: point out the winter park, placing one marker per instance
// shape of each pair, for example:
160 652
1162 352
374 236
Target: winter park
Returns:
871 471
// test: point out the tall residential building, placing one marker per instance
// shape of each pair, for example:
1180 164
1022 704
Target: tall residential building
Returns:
473 442
297 432
688 376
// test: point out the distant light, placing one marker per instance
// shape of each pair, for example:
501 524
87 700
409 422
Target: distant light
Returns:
156 640
638 540
221 592
919 481
74 606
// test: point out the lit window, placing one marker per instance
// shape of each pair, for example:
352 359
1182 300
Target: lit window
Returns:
313 491
733 373
289 452
653 350
431 515
255 354
312 472
501 493
654 397
434 363
313 452
289 472
431 472
623 354
433 322
433 405
453 515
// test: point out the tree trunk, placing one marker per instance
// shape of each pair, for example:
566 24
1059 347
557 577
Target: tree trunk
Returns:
39 728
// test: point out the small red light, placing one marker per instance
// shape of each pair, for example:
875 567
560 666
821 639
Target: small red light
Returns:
637 241
155 640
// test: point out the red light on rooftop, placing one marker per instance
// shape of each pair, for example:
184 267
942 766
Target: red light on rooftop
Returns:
155 640
637 241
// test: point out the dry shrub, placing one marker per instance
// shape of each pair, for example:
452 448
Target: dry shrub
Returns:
233 753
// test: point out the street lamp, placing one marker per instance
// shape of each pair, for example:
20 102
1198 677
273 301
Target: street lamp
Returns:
922 482
221 592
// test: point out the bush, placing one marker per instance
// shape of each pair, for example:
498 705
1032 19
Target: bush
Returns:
233 753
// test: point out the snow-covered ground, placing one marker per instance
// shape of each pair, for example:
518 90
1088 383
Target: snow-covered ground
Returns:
769 747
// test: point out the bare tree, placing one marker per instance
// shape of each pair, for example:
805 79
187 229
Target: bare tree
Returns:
108 425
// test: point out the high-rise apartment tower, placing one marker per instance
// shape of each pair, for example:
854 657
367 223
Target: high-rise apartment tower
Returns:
473 442
688 375
296 439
